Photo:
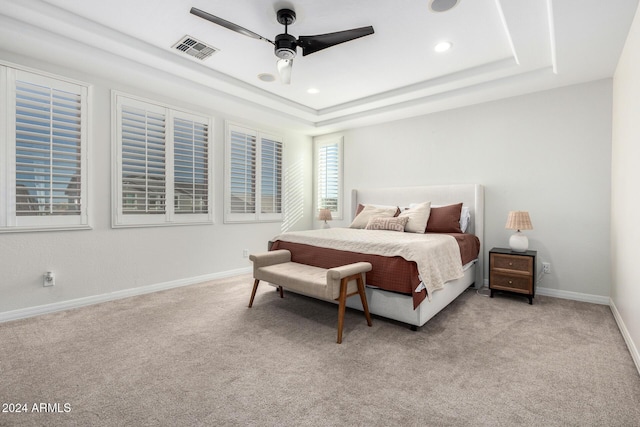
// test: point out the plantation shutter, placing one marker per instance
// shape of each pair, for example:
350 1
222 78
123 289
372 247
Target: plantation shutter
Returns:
48 150
143 161
253 175
191 166
328 170
271 175
242 171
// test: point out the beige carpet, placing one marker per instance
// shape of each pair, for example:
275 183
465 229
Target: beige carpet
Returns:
197 356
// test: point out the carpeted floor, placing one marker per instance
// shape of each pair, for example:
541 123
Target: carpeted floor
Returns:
197 356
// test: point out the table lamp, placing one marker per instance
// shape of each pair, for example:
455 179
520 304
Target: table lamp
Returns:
518 220
325 215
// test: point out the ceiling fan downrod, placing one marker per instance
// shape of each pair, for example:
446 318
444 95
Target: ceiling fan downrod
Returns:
286 44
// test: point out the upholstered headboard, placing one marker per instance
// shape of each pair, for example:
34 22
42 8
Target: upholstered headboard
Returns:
471 196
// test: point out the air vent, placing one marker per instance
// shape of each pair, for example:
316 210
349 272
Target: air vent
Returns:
195 48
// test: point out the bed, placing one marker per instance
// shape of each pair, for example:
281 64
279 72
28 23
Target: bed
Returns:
402 287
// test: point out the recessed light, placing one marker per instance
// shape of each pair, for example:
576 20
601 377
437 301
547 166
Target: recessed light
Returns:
266 77
443 46
313 90
442 5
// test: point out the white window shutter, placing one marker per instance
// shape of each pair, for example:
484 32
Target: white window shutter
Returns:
143 161
253 187
242 172
46 160
191 166
329 176
271 176
163 164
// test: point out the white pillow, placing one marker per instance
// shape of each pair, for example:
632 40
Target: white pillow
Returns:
418 214
362 219
465 217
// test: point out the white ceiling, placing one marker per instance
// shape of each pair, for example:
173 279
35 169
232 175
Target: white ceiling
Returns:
500 48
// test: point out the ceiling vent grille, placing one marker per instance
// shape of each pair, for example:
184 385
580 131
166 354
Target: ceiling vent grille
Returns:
195 48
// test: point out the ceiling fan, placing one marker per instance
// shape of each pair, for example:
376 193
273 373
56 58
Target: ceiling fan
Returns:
285 44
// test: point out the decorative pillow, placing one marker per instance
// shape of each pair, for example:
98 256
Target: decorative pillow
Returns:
418 215
370 211
384 223
465 216
445 219
361 207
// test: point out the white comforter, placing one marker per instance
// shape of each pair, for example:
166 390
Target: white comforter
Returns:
436 255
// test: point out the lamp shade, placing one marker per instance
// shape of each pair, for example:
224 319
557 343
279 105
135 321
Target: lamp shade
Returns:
519 220
324 215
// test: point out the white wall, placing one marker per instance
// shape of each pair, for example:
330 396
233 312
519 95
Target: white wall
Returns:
105 260
625 204
548 153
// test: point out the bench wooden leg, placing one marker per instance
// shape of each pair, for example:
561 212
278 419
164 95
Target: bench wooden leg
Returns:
363 299
342 306
253 293
281 291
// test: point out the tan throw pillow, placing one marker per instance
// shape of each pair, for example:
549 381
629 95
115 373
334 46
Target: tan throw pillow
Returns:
418 217
383 223
370 211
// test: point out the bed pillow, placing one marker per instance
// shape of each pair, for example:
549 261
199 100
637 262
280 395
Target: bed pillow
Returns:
370 211
418 215
445 219
465 216
385 223
361 207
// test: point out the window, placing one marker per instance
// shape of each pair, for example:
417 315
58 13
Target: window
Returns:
163 172
43 175
253 175
329 176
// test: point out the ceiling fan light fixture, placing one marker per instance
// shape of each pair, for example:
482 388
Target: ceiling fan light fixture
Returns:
285 46
284 69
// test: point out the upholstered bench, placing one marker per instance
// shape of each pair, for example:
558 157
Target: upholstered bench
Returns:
337 283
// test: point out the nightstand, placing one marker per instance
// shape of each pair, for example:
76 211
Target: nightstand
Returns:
513 272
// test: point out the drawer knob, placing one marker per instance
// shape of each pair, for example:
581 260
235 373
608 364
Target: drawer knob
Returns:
511 282
510 263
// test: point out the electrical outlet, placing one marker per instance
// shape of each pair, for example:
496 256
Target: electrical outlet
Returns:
245 253
546 267
48 279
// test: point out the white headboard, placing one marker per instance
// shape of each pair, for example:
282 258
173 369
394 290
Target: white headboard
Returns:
471 195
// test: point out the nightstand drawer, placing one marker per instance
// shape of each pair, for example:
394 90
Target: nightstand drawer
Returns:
511 262
511 283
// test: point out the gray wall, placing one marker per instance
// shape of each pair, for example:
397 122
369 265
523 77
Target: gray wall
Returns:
548 153
103 260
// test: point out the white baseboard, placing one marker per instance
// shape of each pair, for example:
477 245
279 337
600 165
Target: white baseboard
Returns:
575 296
125 293
635 355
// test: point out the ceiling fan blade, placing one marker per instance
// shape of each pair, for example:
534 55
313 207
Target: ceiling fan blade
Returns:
312 44
284 69
230 25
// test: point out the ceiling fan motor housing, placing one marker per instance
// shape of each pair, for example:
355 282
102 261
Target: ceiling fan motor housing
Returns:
286 46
